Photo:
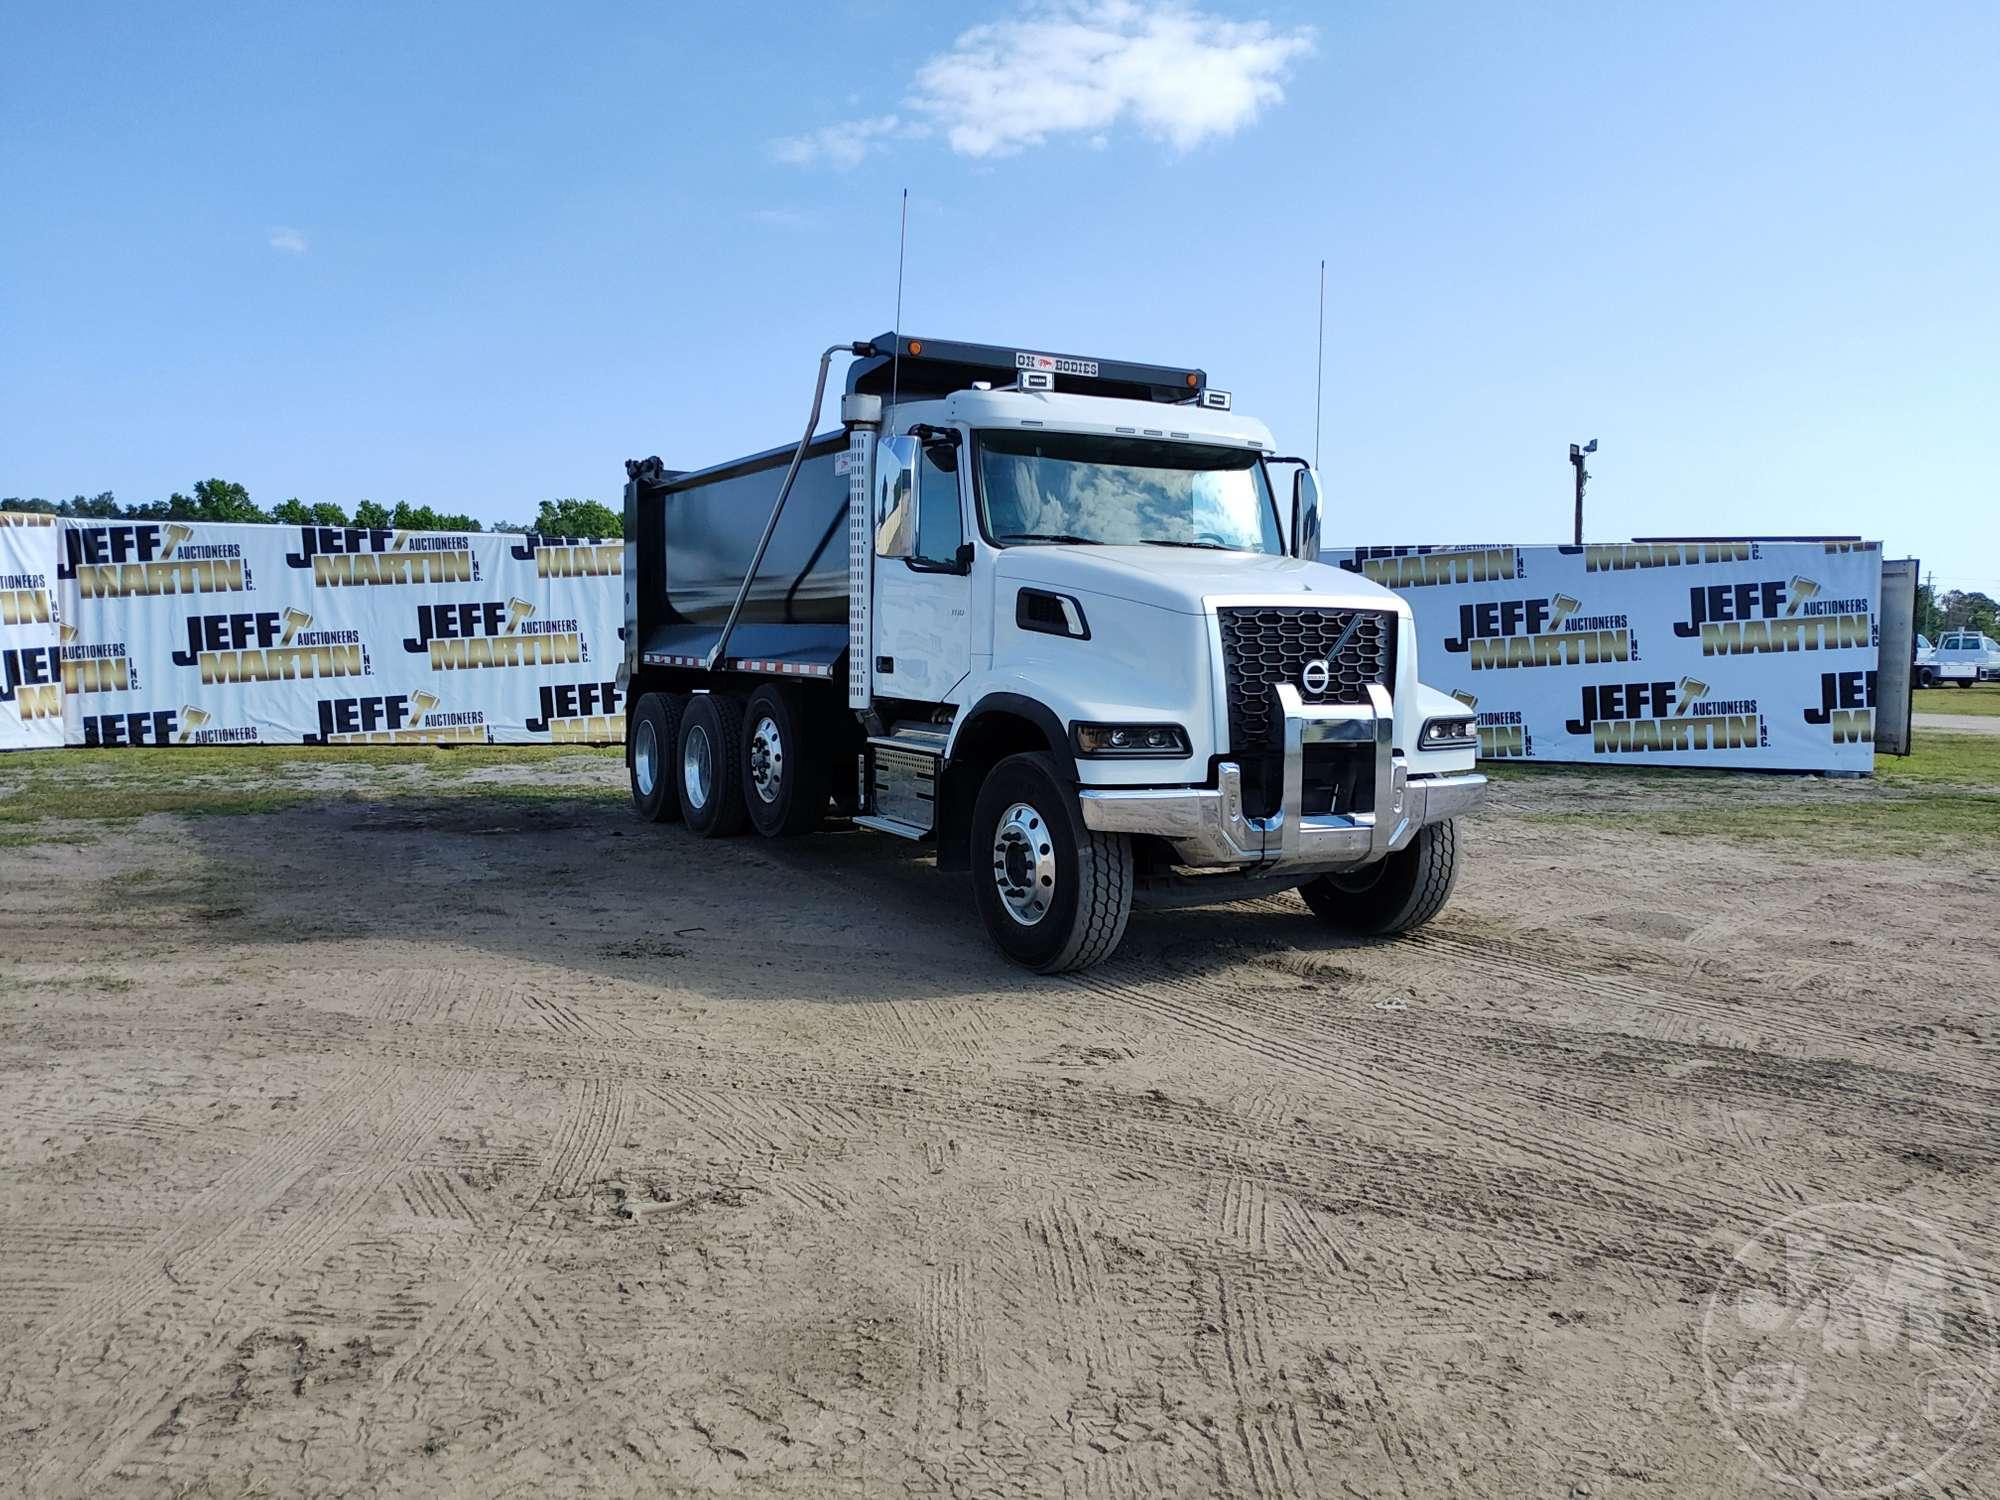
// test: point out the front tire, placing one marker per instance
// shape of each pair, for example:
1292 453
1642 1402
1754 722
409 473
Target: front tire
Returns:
1054 895
784 769
709 768
650 744
1403 891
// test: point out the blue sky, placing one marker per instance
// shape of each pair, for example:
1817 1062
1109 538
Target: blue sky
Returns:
476 255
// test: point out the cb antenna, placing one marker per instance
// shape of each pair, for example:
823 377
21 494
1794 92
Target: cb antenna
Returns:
902 243
1319 379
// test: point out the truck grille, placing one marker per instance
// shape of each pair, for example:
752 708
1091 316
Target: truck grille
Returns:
1265 645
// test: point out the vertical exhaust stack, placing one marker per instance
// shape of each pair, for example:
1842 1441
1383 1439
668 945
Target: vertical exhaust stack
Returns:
862 416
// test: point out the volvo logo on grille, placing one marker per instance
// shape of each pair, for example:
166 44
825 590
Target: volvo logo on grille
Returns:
1316 677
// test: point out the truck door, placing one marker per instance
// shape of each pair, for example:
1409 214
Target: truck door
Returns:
922 601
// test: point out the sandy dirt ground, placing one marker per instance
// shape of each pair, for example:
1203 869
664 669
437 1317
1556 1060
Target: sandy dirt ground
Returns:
499 1146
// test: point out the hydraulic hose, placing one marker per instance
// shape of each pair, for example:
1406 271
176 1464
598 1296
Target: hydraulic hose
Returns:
784 492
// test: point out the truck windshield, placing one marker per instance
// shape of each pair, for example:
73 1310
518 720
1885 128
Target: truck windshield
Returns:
1073 487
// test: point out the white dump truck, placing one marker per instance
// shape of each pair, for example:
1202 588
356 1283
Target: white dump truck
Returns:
1060 618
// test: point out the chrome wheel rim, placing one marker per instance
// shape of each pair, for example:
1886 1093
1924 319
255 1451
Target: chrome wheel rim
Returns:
1024 864
646 758
767 759
698 766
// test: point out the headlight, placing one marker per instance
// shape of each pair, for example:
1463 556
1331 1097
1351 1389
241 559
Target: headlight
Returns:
1449 734
1163 741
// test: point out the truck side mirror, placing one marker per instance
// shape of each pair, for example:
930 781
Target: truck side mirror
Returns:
1305 515
896 497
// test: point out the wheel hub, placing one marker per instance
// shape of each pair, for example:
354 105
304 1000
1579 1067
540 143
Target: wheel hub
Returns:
698 766
646 757
767 759
1024 864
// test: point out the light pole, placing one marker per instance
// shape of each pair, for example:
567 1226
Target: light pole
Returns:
1576 457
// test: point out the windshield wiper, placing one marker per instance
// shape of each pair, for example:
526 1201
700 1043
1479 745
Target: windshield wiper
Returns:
1046 536
1160 541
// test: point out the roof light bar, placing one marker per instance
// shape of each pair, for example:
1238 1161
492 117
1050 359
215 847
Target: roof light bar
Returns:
922 369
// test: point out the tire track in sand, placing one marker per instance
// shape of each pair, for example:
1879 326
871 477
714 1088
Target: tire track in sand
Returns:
589 1127
197 1274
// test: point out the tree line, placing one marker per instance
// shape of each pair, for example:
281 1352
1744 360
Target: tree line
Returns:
1956 609
224 500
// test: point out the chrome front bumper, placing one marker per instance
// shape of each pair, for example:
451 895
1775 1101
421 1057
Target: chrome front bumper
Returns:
1210 829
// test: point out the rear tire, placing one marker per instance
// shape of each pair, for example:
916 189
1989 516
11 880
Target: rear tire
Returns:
1403 891
1055 895
784 766
650 743
708 770
1926 677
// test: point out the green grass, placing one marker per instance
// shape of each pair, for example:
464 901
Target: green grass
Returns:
1919 825
41 788
1957 759
35 838
175 762
1982 700
1942 798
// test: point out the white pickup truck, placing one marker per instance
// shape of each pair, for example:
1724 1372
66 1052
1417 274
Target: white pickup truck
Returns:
1052 616
1960 656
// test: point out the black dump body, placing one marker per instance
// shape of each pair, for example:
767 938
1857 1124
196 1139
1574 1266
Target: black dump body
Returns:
690 538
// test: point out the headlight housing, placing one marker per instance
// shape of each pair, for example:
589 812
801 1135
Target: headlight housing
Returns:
1459 732
1119 741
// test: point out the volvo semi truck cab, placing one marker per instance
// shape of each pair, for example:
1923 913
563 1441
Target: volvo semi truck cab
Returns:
1063 620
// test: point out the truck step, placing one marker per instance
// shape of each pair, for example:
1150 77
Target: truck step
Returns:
896 826
919 739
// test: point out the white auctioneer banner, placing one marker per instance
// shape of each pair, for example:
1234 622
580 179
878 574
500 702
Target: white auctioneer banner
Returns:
31 711
186 633
1741 654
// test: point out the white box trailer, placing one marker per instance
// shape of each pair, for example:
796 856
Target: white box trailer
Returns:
1060 617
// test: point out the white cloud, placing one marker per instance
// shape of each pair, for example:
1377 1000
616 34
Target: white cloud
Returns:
843 145
290 241
1174 73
